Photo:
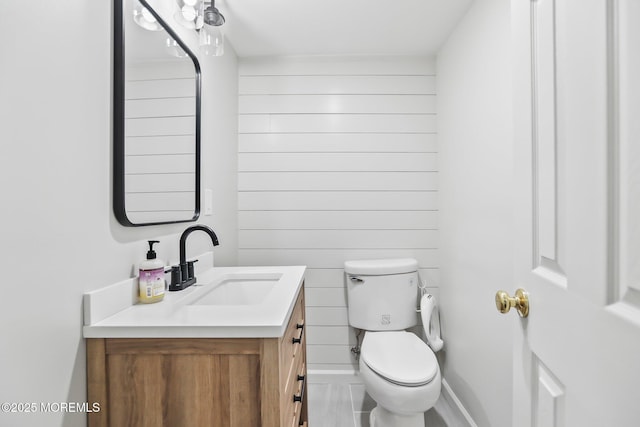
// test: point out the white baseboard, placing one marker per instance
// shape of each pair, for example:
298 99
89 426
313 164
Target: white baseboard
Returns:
461 415
321 376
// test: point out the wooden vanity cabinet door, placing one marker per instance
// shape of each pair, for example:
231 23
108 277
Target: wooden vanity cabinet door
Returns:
177 382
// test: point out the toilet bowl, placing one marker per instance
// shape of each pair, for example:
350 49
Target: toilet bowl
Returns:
401 373
399 370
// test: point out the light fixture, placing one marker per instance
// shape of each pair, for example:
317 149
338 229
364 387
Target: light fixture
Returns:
211 35
144 18
175 49
194 14
212 15
211 41
190 14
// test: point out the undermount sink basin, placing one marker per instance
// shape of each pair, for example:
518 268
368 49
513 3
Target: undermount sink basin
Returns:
240 290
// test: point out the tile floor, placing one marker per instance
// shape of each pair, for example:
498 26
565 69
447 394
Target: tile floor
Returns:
336 404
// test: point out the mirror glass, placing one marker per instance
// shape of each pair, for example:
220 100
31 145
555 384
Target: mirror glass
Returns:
156 120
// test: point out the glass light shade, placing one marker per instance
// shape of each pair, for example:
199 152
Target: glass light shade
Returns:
144 18
190 14
175 49
211 41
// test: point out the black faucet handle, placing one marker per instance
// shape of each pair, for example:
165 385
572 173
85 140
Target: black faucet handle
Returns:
190 269
176 277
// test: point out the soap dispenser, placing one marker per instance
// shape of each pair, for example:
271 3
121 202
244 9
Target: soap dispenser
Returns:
151 281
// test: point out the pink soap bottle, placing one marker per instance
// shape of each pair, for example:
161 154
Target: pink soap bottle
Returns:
151 281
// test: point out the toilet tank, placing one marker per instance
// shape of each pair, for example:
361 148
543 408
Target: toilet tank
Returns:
382 294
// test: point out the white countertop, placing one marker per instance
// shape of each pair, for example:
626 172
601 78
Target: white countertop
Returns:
113 312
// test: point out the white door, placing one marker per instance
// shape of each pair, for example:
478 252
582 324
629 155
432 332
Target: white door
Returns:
577 121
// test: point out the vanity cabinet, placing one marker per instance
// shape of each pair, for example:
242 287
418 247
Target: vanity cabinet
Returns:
213 382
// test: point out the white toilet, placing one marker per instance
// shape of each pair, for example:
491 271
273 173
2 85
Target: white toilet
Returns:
400 372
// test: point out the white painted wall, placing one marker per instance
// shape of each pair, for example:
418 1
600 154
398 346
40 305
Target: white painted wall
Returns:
475 138
337 161
220 151
58 237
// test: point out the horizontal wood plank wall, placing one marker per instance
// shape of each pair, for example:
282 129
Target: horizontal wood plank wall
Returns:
160 115
337 161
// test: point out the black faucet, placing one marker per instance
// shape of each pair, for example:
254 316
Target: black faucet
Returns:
182 275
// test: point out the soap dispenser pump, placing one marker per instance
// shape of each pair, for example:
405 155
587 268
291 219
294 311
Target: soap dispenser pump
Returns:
151 281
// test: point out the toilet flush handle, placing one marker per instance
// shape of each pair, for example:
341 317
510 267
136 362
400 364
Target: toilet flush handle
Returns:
356 279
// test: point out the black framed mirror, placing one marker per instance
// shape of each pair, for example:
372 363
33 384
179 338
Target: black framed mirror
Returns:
156 116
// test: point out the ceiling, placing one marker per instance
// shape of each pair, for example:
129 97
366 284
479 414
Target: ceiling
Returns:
339 27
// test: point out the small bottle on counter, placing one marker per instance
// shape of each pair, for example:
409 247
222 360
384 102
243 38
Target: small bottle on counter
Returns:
151 281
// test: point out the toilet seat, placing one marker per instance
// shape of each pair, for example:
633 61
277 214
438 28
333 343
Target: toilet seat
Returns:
399 357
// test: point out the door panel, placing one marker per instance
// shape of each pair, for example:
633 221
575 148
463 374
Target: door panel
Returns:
628 177
544 140
577 138
549 398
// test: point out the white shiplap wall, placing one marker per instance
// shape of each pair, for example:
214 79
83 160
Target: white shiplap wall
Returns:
337 160
160 157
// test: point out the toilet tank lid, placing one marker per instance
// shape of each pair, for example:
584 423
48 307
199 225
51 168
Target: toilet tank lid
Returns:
379 267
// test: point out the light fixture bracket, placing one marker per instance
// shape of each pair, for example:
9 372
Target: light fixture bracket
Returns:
212 15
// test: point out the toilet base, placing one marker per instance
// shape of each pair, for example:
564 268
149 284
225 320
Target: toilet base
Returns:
380 417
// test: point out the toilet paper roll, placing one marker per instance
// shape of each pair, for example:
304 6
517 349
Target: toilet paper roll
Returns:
431 321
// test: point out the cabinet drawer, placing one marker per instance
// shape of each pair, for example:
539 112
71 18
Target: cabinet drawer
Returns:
292 342
300 391
295 394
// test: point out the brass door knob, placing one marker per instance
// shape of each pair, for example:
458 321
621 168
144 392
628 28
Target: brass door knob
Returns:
504 302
